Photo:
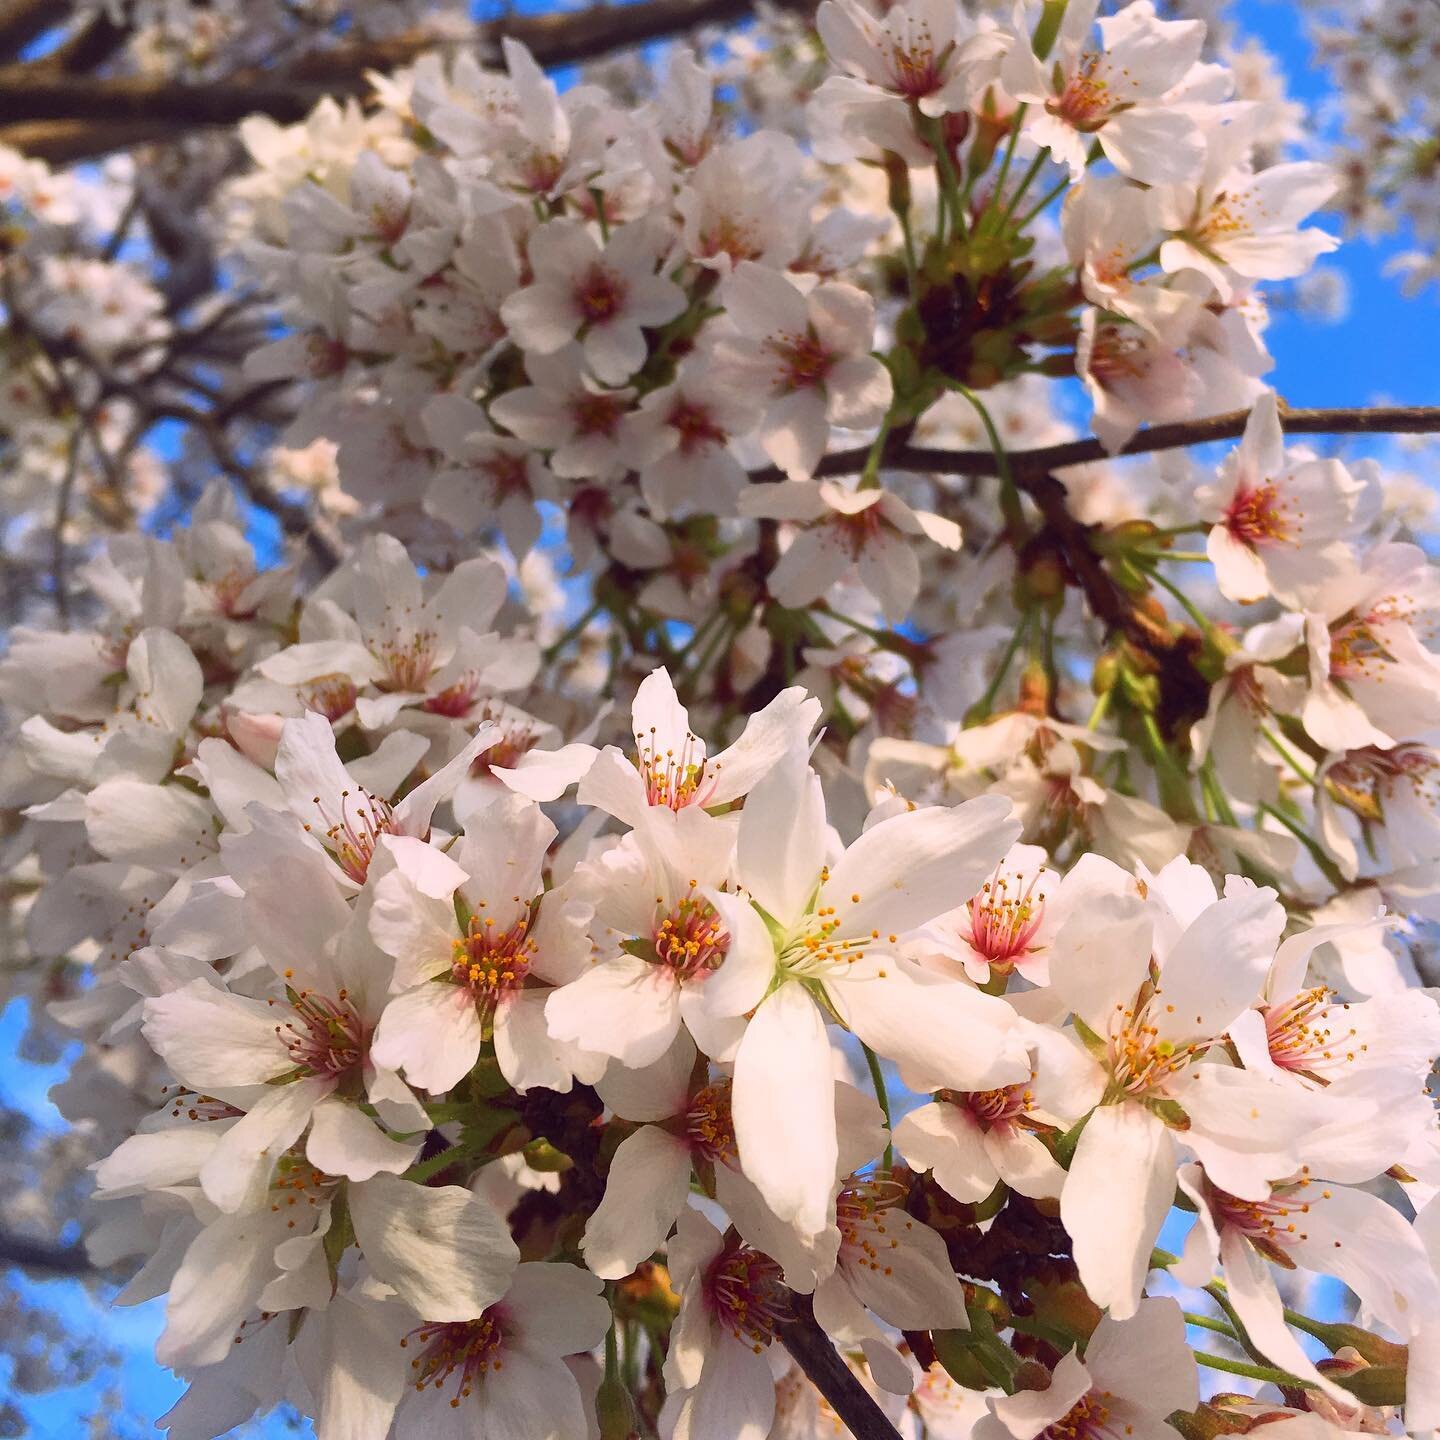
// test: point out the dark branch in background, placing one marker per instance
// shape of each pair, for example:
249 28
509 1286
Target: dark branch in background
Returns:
811 1350
50 1257
62 116
22 21
1031 464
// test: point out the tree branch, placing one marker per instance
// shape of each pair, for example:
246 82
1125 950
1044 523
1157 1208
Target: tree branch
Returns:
41 107
811 1350
22 21
1032 464
49 1256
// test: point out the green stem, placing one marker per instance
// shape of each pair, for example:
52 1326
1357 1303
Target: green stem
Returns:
949 180
1322 860
1097 713
1209 1322
1287 755
1171 776
612 1352
1026 181
1207 626
571 632
1043 203
1251 1372
870 476
877 1078
982 707
1009 495
1007 159
907 234
598 196
1210 782
1196 557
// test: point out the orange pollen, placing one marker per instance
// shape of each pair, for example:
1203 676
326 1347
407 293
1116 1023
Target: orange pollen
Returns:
672 780
692 939
325 1037
804 360
1087 1419
332 696
747 1293
464 1349
408 661
1005 917
1261 516
352 839
492 964
709 1126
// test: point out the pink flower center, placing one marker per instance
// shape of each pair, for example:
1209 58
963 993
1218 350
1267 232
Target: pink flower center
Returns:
352 839
492 963
596 414
709 1127
804 360
455 700
332 696
1005 917
509 475
1304 1037
324 1037
994 1108
915 67
1086 101
747 1294
697 430
692 939
1365 779
408 661
674 780
1260 516
464 1349
600 295
1087 1419
1270 1225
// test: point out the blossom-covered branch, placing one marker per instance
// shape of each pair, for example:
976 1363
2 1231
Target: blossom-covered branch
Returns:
718 875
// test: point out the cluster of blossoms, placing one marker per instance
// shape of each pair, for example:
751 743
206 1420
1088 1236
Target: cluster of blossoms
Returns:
500 984
1382 56
67 308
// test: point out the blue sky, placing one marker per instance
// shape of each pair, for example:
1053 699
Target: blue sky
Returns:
1377 351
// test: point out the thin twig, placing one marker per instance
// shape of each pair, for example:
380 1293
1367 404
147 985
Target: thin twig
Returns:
51 1257
1027 464
811 1350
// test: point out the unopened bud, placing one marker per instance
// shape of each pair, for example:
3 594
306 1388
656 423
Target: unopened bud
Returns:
543 1156
615 1411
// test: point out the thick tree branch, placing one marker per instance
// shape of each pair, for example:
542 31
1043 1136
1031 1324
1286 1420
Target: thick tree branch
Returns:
35 100
48 1256
811 1350
1028 465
